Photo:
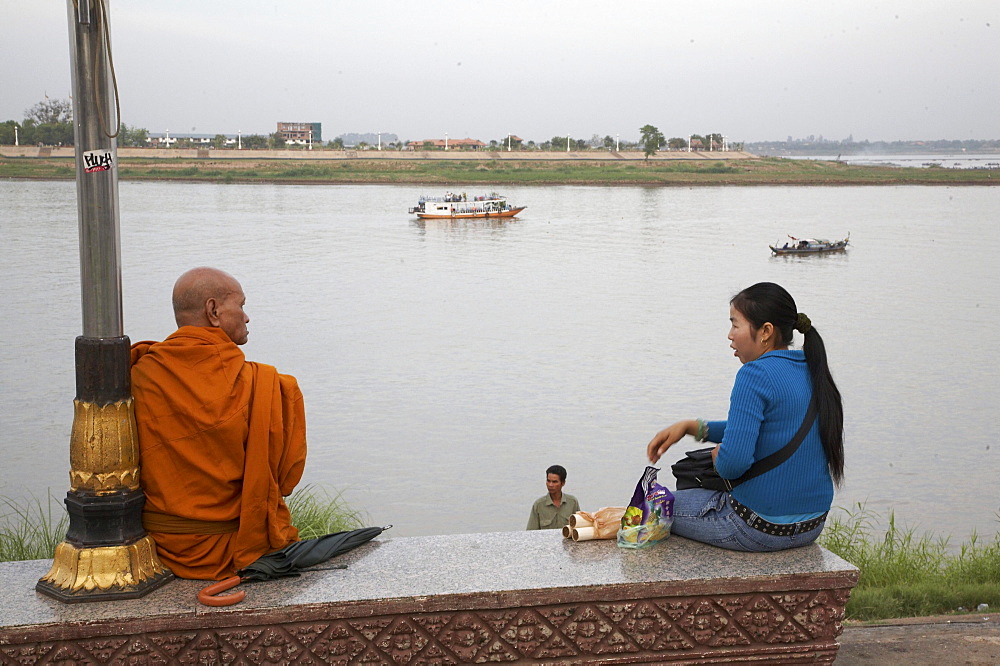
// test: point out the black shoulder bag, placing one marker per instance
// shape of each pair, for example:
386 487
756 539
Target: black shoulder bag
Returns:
697 469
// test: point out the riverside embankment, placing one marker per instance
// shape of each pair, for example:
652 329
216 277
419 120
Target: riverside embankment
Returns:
470 168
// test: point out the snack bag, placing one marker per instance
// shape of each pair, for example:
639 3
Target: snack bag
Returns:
649 515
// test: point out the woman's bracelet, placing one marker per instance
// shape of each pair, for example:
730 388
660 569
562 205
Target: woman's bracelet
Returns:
701 434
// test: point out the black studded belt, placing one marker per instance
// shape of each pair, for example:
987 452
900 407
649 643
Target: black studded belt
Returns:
774 529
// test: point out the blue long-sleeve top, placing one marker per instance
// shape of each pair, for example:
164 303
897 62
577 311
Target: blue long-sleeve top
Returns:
769 400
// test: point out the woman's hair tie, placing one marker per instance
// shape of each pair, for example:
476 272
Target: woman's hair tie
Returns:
802 323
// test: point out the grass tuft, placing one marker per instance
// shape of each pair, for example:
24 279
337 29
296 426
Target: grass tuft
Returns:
315 512
908 575
30 530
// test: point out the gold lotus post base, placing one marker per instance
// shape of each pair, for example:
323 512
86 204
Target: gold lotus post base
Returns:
104 447
106 554
104 572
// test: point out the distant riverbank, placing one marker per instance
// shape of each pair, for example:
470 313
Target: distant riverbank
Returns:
666 169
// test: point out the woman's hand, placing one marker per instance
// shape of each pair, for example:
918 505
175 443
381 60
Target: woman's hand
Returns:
669 436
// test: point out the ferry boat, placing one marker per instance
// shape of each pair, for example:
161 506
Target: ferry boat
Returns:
458 206
810 245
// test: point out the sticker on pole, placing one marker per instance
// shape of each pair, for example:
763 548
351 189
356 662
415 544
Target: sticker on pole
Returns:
96 160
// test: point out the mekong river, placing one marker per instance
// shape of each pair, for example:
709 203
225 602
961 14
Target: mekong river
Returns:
446 365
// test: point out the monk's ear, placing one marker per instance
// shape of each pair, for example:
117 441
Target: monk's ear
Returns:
212 311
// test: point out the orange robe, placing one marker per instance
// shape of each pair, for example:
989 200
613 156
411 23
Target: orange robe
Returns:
221 441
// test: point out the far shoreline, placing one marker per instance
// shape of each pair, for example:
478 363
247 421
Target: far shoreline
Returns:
595 168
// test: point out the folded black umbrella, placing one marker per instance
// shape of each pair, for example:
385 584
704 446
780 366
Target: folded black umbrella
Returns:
292 559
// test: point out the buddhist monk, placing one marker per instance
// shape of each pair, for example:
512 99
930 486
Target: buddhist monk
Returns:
221 439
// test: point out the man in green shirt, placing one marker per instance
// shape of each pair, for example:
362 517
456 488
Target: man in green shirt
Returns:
552 511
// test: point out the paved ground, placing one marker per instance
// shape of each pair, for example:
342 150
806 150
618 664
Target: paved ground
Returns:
953 639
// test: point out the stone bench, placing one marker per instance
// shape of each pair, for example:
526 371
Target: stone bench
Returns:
468 598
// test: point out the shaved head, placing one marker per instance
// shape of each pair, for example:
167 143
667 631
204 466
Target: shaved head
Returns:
207 297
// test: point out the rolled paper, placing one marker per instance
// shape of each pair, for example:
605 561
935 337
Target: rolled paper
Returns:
579 520
583 533
567 531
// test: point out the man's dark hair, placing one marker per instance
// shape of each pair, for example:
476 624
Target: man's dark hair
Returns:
557 469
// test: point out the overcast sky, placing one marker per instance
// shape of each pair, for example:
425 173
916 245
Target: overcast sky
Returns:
751 70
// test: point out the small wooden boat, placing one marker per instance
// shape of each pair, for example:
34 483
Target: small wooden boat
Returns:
458 206
810 246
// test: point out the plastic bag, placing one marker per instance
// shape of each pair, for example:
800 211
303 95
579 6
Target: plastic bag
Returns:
649 515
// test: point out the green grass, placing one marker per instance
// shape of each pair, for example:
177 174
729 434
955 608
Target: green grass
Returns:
315 512
683 172
31 529
904 574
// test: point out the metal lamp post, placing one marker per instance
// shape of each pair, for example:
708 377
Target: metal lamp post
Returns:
107 553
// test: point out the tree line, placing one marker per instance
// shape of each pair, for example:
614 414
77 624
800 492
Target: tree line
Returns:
652 140
50 123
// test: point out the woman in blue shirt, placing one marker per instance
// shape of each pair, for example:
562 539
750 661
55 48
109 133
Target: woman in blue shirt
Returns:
785 507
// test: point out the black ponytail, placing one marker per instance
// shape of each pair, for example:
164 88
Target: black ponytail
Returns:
828 401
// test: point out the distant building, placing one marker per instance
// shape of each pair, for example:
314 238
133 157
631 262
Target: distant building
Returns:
156 140
451 144
301 133
171 139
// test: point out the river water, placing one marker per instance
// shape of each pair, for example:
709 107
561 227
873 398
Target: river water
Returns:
951 161
446 365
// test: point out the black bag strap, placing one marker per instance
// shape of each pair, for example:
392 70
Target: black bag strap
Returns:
784 453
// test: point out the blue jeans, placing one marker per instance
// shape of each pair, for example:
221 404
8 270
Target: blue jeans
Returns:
707 516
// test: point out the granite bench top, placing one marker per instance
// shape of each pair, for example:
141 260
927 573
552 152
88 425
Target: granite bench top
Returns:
423 569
